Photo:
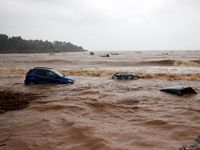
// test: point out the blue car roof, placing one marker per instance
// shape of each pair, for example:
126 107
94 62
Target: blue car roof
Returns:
46 68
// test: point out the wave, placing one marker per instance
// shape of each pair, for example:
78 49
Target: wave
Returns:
13 71
145 74
51 61
168 62
121 63
157 63
189 63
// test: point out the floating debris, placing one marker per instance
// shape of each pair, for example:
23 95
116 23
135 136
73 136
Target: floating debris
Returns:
179 90
194 146
125 76
91 53
104 55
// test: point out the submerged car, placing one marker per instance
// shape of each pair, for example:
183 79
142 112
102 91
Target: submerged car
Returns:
179 90
41 75
125 76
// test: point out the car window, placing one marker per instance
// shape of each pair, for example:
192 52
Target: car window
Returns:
51 74
57 73
40 72
46 73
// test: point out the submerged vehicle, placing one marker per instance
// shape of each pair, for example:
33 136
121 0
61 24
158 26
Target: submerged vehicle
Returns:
39 75
104 55
125 76
91 53
179 90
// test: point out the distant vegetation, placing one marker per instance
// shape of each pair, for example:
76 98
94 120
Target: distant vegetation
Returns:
19 45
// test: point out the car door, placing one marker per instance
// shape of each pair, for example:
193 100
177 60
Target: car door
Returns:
40 76
52 77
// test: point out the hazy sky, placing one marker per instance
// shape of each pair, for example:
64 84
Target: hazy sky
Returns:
106 24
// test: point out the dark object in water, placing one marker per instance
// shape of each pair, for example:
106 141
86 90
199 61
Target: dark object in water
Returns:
125 76
104 55
179 90
194 146
40 75
91 53
2 144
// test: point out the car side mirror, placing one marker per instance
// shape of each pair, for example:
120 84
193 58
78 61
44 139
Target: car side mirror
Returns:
63 75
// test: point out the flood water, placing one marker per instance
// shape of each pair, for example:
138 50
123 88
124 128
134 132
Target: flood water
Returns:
97 112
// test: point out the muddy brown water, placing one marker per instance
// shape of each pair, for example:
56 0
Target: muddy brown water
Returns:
100 113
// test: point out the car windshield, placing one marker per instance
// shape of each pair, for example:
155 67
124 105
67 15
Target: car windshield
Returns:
58 73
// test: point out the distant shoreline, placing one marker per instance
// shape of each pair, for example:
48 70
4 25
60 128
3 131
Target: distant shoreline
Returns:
39 52
103 51
19 45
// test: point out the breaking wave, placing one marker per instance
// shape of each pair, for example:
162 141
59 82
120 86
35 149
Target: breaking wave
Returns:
189 63
118 63
168 62
144 73
158 63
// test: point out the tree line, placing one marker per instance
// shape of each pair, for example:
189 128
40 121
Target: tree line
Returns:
16 44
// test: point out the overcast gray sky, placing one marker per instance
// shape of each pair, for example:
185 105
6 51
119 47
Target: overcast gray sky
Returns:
106 24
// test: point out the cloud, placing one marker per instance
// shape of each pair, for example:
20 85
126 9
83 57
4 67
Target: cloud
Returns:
106 24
